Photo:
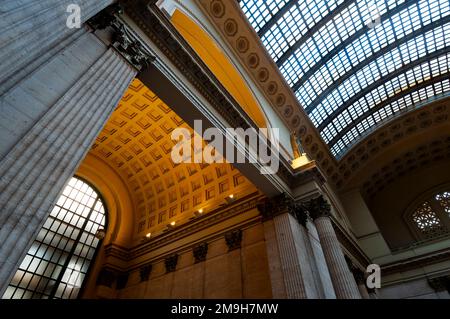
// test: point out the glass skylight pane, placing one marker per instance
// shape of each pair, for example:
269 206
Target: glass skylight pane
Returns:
330 55
411 101
259 12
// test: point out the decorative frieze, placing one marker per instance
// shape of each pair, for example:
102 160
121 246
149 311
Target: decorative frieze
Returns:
200 252
241 206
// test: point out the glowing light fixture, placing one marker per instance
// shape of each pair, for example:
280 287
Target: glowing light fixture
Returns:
230 198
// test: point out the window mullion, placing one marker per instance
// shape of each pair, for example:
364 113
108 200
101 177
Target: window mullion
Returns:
440 212
72 251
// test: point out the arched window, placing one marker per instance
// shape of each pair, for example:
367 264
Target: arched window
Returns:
431 218
444 201
58 260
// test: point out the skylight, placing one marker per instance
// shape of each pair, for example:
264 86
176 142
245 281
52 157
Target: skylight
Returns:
353 65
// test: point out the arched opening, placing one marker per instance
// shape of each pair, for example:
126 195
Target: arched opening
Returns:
59 258
429 218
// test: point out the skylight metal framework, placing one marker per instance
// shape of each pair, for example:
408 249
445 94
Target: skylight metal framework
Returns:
353 65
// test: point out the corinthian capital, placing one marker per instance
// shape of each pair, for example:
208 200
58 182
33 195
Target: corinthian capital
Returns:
318 207
283 204
123 39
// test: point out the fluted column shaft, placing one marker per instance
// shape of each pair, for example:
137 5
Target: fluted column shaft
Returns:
363 291
343 281
34 31
285 231
324 279
35 171
360 279
291 263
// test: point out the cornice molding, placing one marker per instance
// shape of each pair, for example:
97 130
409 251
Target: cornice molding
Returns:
312 173
416 262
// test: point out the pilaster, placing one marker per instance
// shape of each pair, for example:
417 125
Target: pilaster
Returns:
291 270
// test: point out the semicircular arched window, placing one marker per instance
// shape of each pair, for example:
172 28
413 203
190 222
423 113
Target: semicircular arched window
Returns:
58 260
431 219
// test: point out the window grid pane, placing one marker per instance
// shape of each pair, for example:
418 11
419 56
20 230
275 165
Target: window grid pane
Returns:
59 257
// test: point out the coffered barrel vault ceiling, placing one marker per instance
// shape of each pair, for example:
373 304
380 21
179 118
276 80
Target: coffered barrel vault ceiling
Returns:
136 142
353 65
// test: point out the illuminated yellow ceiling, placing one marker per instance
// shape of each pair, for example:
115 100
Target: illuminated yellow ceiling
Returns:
219 64
136 142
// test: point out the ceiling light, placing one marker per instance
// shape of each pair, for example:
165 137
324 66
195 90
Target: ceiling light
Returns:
230 198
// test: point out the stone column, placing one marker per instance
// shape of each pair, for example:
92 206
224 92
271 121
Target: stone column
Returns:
324 279
344 284
35 31
290 266
35 170
360 280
